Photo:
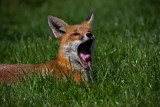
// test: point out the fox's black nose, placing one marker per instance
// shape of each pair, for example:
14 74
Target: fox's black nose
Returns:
89 35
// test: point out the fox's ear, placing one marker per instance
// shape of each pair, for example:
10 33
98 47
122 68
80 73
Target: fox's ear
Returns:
57 25
89 19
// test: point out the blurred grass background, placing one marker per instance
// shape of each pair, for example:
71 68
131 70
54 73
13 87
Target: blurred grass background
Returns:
126 60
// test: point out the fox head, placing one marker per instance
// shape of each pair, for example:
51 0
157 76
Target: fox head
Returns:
76 41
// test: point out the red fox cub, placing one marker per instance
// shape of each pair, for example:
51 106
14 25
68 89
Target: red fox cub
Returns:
75 52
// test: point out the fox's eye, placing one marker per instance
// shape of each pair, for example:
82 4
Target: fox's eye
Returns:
75 34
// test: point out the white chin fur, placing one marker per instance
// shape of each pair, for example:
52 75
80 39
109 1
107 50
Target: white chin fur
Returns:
70 51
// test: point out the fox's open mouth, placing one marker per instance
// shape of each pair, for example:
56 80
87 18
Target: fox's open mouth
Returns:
84 53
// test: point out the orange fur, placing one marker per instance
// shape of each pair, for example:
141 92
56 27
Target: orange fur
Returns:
59 66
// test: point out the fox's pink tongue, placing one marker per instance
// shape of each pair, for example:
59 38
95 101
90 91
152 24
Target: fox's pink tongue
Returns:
86 58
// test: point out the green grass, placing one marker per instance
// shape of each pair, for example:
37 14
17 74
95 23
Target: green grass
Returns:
126 59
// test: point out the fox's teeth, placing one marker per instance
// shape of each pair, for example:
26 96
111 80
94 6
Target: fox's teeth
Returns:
89 63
